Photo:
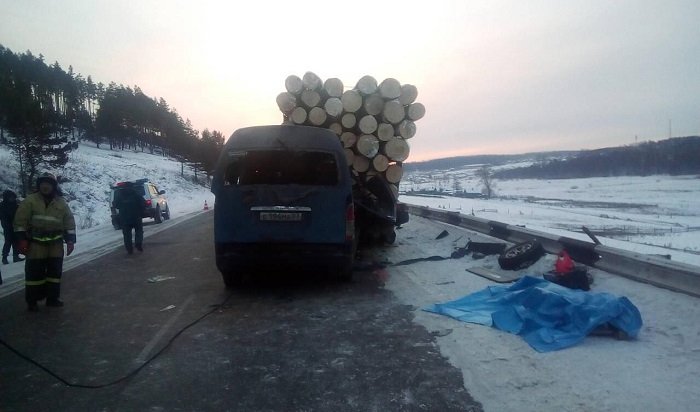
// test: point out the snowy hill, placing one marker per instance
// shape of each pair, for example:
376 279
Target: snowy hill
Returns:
90 172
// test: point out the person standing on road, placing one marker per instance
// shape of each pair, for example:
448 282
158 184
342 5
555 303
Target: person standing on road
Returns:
130 205
42 223
8 207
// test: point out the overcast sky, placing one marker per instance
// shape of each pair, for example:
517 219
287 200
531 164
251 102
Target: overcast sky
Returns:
495 76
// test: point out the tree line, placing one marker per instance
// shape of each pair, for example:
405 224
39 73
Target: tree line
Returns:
45 110
675 156
459 162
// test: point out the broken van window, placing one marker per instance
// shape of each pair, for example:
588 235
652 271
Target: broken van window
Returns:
278 167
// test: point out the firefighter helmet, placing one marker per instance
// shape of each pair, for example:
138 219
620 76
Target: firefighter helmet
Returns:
47 177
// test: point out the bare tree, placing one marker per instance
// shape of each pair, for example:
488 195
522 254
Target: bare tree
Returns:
485 174
456 184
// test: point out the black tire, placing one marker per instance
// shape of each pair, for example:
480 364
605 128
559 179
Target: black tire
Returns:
166 215
346 271
158 217
345 274
389 237
374 237
521 255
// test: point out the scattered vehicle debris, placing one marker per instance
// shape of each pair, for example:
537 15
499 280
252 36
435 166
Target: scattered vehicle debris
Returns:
486 248
442 235
506 277
423 259
567 274
521 255
440 333
159 278
590 234
576 279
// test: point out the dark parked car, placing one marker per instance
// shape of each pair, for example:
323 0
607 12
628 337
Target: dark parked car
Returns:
155 205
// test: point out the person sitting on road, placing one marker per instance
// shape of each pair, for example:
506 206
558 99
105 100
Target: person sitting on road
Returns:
130 205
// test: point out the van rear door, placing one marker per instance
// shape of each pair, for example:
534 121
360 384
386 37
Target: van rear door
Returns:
284 196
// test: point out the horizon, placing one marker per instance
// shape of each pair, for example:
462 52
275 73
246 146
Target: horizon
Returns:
496 77
552 151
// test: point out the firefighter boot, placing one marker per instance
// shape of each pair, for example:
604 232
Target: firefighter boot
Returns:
54 303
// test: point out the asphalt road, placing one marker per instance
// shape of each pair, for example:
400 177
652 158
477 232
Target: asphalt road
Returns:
286 342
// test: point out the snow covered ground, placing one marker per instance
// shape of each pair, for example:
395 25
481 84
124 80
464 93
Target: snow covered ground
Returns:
653 214
90 173
659 371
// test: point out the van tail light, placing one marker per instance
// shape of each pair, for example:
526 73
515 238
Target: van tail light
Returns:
350 223
148 202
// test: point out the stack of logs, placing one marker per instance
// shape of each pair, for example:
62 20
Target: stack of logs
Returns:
373 120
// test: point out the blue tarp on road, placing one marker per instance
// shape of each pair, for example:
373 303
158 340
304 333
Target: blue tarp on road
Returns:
548 316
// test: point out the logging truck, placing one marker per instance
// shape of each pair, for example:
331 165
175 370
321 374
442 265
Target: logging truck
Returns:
286 197
307 191
373 122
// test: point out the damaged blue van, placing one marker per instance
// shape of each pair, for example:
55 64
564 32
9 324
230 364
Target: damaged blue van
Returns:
283 200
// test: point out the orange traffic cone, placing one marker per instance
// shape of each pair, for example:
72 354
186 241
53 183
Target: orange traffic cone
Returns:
206 206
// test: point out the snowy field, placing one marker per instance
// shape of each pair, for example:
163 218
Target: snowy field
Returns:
654 214
90 173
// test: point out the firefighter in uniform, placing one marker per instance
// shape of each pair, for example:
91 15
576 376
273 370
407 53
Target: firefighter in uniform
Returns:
42 223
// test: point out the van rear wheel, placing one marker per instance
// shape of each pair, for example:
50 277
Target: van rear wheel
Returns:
389 236
345 274
232 280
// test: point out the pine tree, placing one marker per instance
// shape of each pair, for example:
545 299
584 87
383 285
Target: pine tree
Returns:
35 137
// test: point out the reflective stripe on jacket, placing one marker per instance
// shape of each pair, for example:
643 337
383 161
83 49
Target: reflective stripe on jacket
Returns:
44 223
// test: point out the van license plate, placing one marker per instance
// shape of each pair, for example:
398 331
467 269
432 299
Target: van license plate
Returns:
280 217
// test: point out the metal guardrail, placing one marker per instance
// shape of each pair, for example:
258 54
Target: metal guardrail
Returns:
664 273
